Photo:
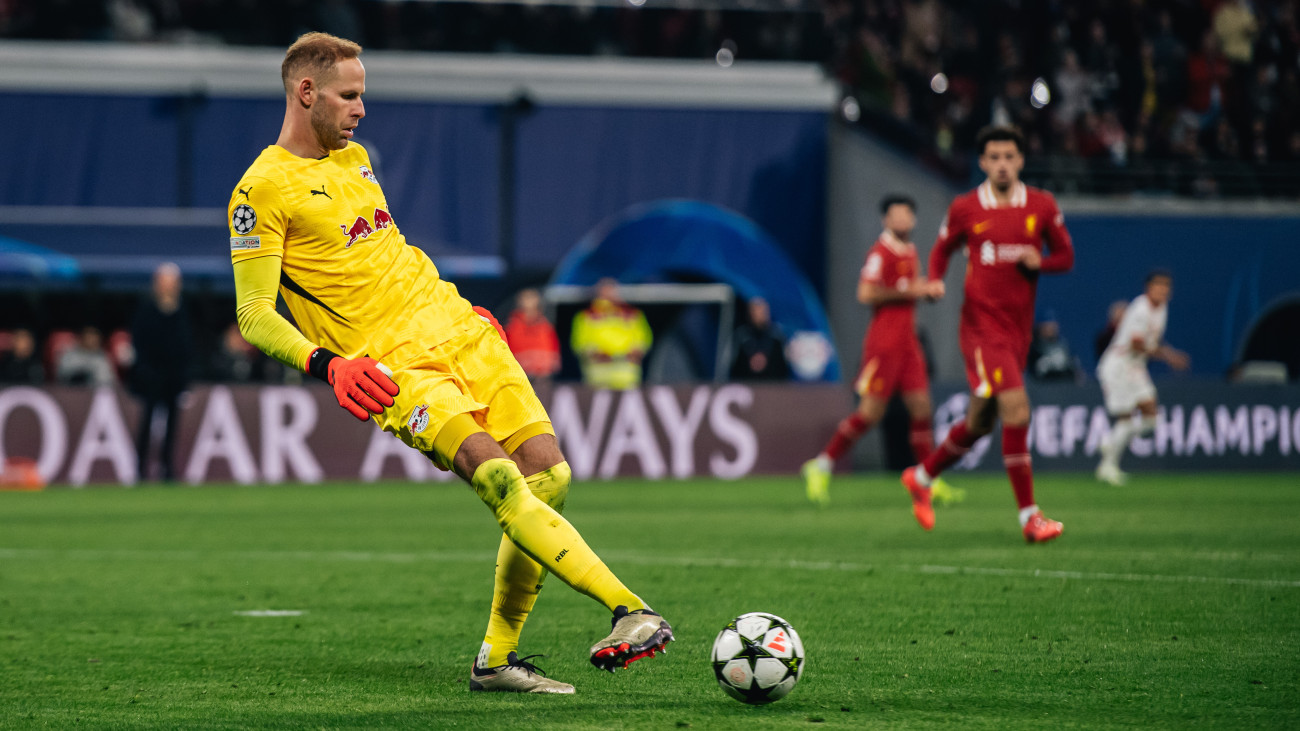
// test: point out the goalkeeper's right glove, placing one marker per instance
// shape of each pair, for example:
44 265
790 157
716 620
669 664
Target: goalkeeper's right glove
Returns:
361 385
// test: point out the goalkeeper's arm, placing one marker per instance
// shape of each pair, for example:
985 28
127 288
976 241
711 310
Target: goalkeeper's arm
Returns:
362 385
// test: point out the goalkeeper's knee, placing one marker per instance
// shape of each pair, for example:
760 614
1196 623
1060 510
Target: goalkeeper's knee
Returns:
551 485
501 486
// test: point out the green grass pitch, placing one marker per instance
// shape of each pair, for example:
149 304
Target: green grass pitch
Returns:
1173 602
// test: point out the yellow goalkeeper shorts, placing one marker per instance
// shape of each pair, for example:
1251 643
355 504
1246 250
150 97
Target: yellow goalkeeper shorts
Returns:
474 373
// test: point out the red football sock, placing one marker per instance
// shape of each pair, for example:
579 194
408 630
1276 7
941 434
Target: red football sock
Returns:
954 447
922 439
853 426
1015 455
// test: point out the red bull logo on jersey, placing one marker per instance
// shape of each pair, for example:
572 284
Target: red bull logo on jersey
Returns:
361 228
419 419
368 174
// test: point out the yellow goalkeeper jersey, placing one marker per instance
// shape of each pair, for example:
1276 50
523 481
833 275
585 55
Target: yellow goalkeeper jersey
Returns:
351 281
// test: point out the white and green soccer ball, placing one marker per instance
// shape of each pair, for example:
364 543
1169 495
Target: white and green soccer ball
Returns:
758 658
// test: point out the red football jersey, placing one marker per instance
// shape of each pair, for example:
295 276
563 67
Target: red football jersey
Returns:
891 263
998 309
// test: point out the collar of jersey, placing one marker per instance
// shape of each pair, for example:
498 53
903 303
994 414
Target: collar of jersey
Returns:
1019 196
894 244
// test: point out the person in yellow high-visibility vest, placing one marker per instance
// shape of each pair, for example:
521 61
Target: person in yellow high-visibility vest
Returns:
611 338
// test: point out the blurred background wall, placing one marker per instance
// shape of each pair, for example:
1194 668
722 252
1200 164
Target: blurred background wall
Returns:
509 137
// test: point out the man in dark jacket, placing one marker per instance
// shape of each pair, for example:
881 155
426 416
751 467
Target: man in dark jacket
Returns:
760 347
22 364
163 353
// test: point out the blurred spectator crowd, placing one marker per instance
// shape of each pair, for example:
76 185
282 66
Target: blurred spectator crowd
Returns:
465 27
1194 97
165 347
1197 97
86 357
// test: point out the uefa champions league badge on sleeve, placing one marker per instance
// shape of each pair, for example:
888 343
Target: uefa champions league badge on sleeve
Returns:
243 219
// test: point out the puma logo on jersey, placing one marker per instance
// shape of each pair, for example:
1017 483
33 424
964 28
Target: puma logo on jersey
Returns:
361 228
245 191
322 192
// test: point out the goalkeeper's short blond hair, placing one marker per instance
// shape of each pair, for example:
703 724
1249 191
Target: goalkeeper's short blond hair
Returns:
314 55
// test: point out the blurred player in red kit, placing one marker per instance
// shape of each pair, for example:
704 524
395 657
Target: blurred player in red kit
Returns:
1003 225
891 282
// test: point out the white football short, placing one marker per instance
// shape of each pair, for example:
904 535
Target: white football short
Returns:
1124 385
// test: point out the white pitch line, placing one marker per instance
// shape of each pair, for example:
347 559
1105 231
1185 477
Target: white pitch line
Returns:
967 570
271 613
1129 554
1101 576
640 559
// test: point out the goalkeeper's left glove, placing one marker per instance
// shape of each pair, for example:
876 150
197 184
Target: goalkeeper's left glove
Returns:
362 386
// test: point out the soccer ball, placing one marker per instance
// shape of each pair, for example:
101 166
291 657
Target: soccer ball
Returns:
757 658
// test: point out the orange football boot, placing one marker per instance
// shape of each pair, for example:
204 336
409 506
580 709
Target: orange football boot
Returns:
921 506
1041 530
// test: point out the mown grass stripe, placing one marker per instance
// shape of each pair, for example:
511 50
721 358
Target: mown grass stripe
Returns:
637 559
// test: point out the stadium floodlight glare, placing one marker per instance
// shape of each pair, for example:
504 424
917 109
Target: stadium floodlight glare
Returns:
1040 95
850 109
727 53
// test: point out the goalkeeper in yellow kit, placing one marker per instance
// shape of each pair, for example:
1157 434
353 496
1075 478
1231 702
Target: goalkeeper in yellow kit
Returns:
399 345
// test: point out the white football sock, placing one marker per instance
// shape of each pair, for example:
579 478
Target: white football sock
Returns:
1026 514
825 462
923 477
1117 442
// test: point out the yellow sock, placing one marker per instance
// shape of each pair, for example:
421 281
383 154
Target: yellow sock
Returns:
546 537
518 577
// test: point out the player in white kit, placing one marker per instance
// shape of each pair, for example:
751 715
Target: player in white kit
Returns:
1122 371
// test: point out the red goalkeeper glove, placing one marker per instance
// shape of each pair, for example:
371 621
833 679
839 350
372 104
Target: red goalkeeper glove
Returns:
361 385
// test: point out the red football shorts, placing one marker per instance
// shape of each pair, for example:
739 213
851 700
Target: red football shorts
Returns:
992 369
887 371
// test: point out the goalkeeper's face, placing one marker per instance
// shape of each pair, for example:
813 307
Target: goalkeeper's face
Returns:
338 109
